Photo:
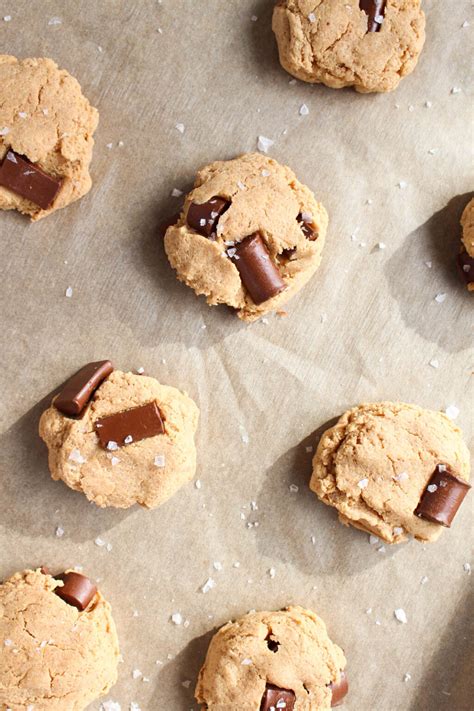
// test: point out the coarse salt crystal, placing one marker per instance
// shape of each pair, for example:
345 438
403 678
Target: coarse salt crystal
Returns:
407 677
77 457
140 371
265 173
99 542
186 683
467 568
177 618
293 488
159 460
246 662
456 90
176 192
7 18
312 17
55 21
208 585
402 184
110 706
363 483
272 573
452 412
432 488
428 104
217 565
434 363
373 540
400 615
398 530
264 143
136 674
59 532
23 114
465 24
4 131
381 245
198 484
112 446
180 127
424 580
439 298
69 292
304 111
8 642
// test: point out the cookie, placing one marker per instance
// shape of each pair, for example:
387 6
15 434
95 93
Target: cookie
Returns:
393 470
466 254
46 128
120 438
58 645
272 660
370 45
249 236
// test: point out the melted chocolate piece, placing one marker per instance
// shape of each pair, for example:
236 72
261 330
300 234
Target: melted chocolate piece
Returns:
204 217
130 426
466 267
442 497
339 689
307 228
28 180
77 590
375 10
259 275
275 698
79 389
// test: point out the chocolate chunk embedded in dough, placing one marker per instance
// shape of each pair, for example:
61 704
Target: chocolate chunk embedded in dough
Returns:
77 590
204 217
129 426
442 497
28 180
275 698
339 689
78 390
375 10
259 275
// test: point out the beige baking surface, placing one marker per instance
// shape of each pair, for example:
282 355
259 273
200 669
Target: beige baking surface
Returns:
365 328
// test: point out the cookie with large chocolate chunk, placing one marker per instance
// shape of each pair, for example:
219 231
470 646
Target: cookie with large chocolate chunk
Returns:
46 129
368 44
120 438
393 470
59 646
273 660
250 235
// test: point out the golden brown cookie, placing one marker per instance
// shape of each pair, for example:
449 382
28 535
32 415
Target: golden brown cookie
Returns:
46 129
267 660
466 254
377 463
129 440
250 235
368 45
54 656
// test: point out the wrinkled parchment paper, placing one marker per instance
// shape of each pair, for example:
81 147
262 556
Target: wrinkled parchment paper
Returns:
365 328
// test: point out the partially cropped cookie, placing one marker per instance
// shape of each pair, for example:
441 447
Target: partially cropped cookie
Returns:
120 438
46 129
58 645
250 235
273 660
393 470
368 44
466 254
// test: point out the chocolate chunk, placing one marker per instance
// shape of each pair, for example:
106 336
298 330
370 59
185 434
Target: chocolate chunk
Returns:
259 275
375 9
339 689
78 390
26 179
130 426
442 497
466 267
275 698
77 590
204 217
307 227
272 644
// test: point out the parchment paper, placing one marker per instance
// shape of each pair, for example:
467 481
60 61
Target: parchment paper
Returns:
365 328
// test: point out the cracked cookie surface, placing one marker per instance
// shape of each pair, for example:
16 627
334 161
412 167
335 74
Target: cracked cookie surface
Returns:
45 118
262 197
289 649
375 463
327 42
53 657
148 471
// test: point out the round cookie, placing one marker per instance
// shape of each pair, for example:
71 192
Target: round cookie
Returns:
466 255
338 43
45 119
249 236
132 440
53 656
258 658
378 462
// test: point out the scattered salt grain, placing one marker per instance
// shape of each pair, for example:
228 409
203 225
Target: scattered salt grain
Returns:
432 151
265 173
176 192
407 677
180 127
136 674
23 114
424 580
69 292
254 18
246 662
272 573
198 484
264 143
4 131
140 371
432 488
398 530
428 104
429 264
434 363
456 90
400 615
304 111
159 460
363 483
8 643
208 585
465 24
7 18
402 184
99 542
177 618
55 21
467 568
439 298
373 540
312 17
134 706
381 245
110 706
217 565
112 446
59 532
236 564
452 412
293 488
186 683
77 457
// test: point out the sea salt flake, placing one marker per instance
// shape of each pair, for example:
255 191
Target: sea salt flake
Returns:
439 298
434 363
208 585
241 186
429 264
198 484
69 292
373 540
177 618
217 565
398 530
99 542
59 532
55 21
467 568
456 90
186 683
402 184
293 488
112 446
176 192
140 371
424 580
304 111
254 18
312 17
8 642
428 104
432 488
136 674
264 143
400 615
363 483
180 127
7 18
134 706
265 173
381 245
246 662
4 131
465 24
23 114
77 457
452 412
110 706
159 460
407 677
